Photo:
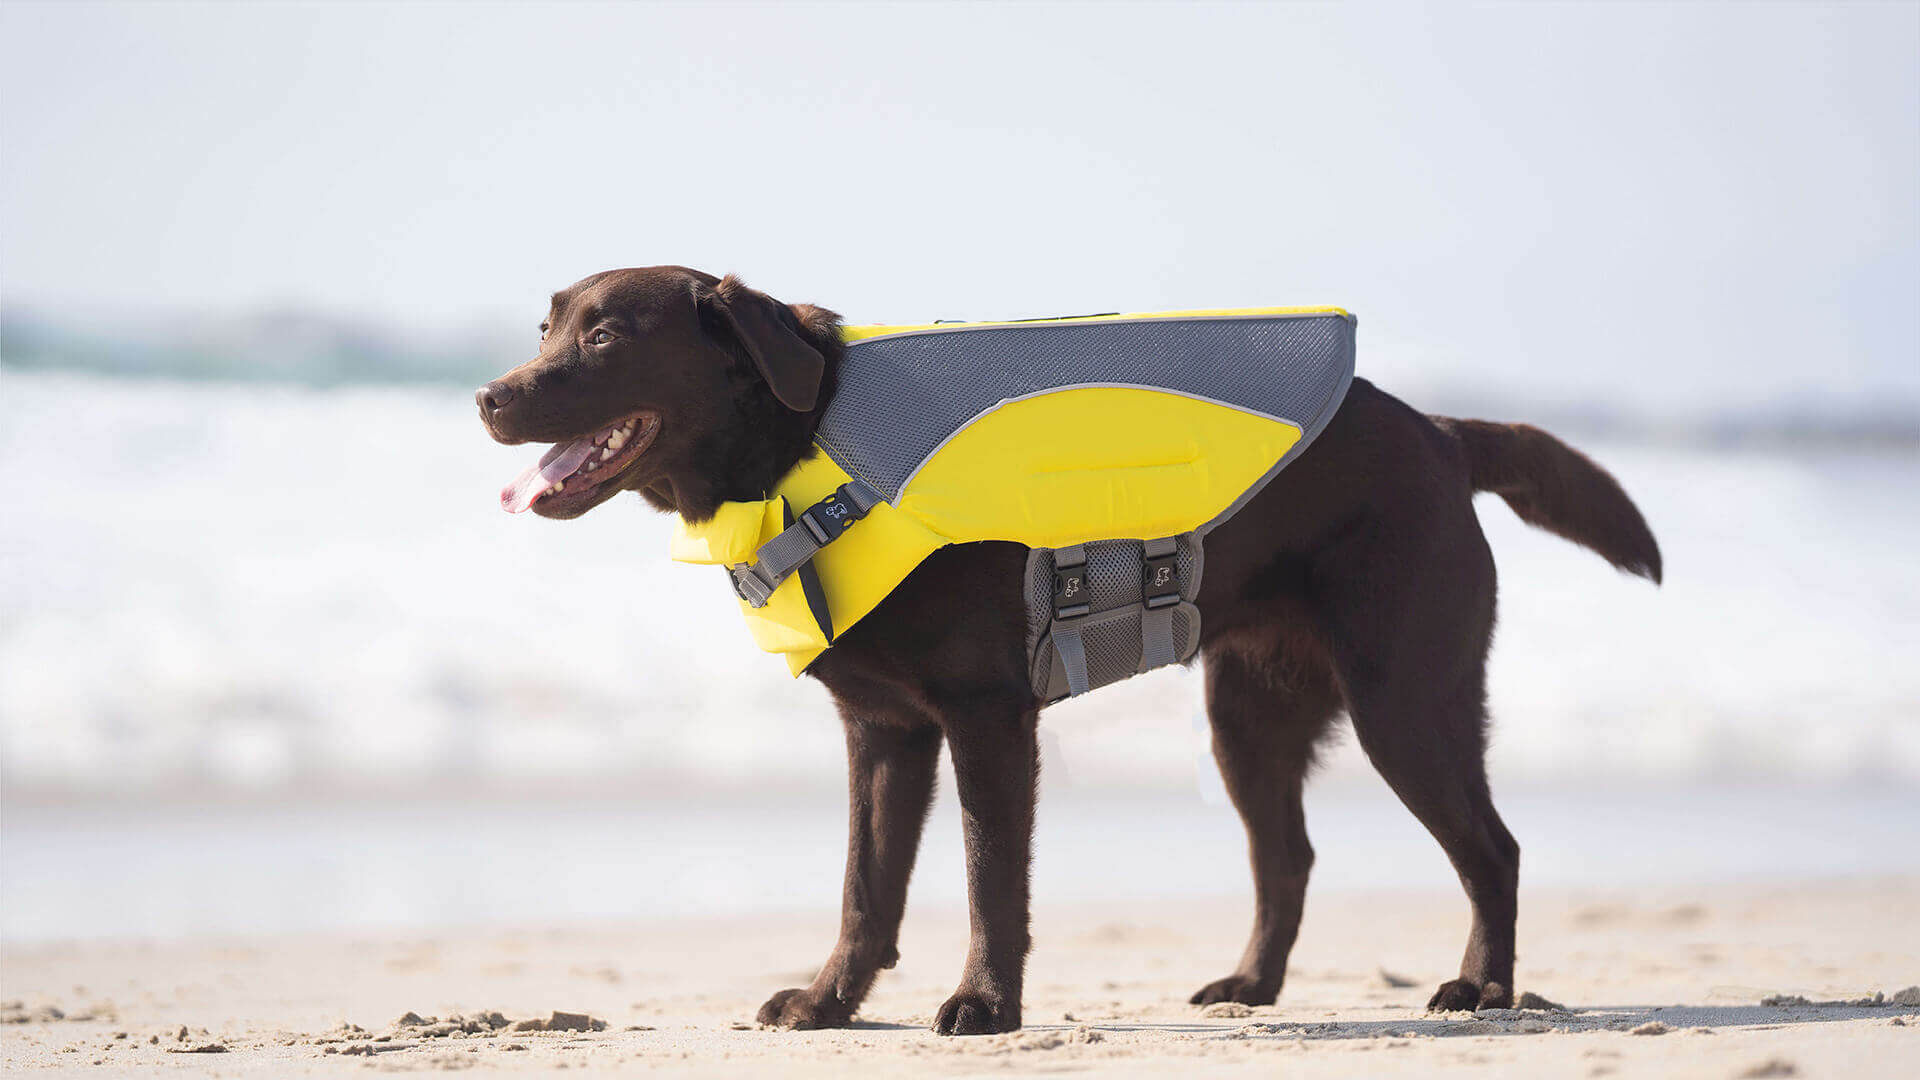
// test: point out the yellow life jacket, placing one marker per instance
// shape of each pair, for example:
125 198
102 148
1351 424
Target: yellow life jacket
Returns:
1055 434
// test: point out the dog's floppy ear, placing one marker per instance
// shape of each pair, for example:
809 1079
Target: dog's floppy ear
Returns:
769 333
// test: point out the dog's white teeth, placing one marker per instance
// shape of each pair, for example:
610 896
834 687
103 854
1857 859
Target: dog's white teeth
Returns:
592 465
617 439
557 488
607 453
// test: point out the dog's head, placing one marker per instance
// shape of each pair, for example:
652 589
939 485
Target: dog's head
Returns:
687 388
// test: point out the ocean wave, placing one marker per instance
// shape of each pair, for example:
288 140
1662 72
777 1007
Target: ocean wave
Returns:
258 588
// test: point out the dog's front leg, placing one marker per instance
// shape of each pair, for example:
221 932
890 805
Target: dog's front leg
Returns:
995 765
890 781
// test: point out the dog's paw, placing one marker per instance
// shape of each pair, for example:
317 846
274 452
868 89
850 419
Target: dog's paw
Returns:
799 1010
1240 988
1457 995
1461 995
969 1013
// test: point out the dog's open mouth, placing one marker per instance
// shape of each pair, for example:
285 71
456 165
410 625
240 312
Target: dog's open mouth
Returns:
572 469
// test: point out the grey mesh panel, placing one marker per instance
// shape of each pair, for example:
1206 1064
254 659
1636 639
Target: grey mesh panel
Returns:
899 398
1113 574
1111 634
1112 643
1184 629
1113 650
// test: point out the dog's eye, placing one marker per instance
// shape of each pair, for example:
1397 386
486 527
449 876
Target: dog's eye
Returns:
600 337
543 331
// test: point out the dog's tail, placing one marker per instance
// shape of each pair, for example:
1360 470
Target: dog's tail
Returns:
1557 488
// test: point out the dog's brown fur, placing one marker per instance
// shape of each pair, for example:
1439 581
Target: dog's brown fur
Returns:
1358 581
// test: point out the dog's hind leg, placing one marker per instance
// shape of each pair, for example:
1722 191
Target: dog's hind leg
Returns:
890 780
1410 616
1438 774
1268 707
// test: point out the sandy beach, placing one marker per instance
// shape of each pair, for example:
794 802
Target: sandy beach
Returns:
1723 981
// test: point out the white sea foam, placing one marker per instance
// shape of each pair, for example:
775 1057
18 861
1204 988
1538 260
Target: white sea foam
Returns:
199 587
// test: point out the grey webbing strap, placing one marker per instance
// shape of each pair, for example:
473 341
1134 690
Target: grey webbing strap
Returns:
1157 647
1069 604
816 527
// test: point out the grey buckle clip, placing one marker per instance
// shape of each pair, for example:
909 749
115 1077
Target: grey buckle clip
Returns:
1070 593
748 585
816 527
1070 596
1160 581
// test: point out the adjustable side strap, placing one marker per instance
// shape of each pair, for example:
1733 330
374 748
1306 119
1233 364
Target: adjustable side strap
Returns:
1070 602
1160 592
816 527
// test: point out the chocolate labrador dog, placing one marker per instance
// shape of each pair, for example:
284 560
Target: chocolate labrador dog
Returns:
1356 582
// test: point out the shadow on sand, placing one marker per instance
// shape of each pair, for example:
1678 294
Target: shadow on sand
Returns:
1639 1019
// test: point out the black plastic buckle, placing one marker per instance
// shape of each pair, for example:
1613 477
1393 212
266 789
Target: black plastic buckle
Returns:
832 515
1160 581
1070 599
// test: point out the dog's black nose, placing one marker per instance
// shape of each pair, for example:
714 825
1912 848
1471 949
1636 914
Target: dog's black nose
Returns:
493 397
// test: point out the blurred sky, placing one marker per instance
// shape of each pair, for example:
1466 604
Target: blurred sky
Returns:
1713 204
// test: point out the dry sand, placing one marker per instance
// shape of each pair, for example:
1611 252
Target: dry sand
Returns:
1666 983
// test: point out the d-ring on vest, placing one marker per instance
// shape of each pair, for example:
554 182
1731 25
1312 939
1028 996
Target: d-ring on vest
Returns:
1108 444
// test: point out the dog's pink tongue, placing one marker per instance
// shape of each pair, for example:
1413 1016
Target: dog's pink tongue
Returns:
557 464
